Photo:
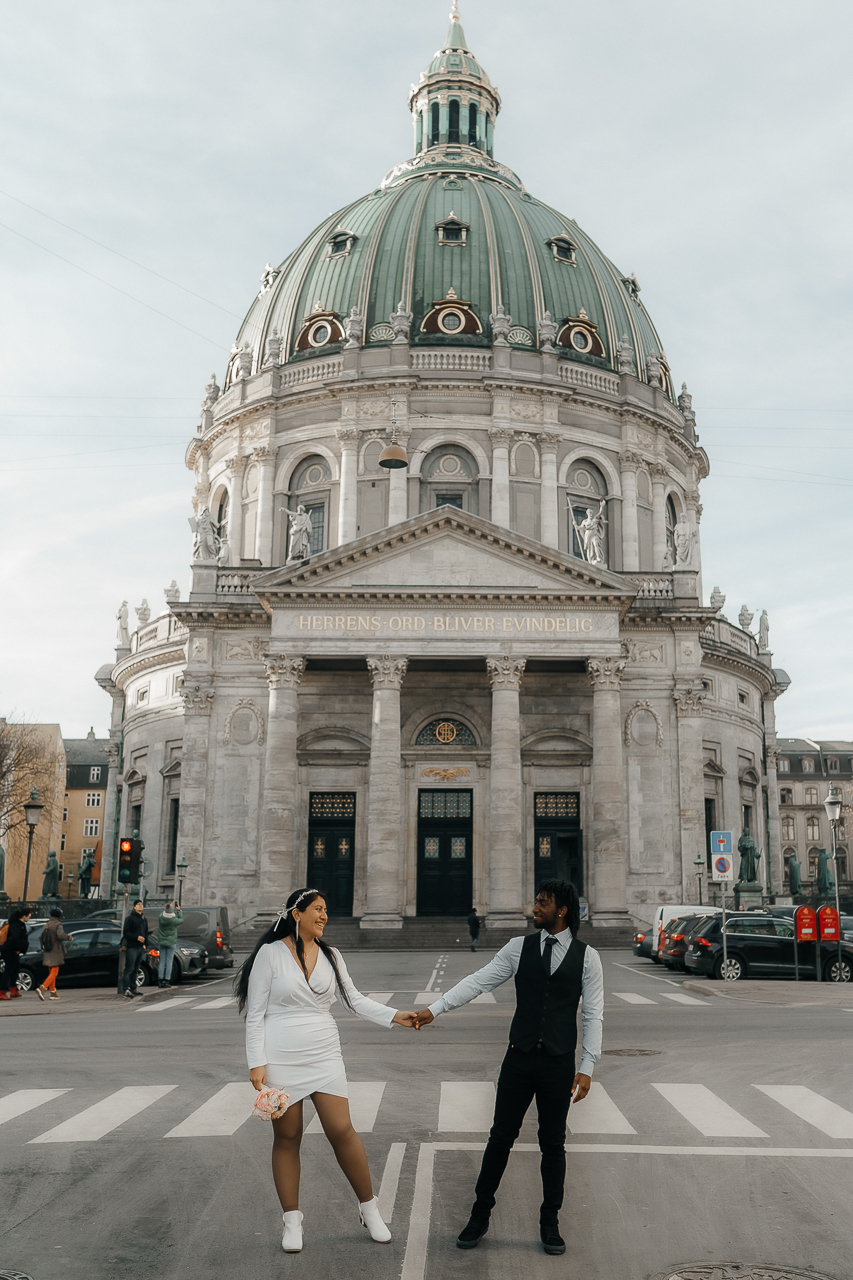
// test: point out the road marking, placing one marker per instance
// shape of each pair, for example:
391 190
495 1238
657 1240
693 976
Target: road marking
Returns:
708 1113
365 1098
221 1115
597 1113
23 1100
381 997
631 997
387 1196
106 1115
414 1260
827 1116
466 1106
681 999
221 1002
425 998
161 1006
642 974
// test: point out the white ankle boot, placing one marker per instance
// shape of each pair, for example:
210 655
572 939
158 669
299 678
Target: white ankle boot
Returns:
291 1241
371 1218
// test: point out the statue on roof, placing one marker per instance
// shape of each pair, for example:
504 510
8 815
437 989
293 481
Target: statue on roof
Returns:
354 329
547 332
401 323
501 324
122 632
625 355
272 352
764 633
211 394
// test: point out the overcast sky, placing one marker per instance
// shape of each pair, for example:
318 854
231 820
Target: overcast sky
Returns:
704 146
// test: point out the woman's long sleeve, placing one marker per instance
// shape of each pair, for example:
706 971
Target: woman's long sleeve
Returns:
260 980
366 1008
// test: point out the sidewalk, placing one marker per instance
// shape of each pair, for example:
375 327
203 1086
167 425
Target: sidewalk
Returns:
94 999
795 994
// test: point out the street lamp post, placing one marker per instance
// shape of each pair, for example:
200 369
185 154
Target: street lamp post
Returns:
698 865
832 805
182 866
32 812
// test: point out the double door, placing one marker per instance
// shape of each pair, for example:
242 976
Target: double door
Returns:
558 838
445 837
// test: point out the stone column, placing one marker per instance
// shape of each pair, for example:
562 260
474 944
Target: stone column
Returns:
500 437
506 811
348 508
235 509
609 808
198 704
659 478
691 782
773 854
385 869
549 514
628 463
398 487
263 537
278 826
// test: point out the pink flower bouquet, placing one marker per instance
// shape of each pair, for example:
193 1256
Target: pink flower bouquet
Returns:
270 1104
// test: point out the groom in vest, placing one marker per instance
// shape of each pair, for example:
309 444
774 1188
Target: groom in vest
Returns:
553 972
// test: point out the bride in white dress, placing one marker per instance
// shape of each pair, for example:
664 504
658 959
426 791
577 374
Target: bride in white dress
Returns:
286 989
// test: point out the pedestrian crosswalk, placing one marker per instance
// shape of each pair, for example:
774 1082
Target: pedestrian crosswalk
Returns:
677 997
66 1115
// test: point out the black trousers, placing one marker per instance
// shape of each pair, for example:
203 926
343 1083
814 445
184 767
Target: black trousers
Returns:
131 963
523 1077
12 962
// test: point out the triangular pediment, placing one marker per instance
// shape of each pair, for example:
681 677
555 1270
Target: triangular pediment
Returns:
446 551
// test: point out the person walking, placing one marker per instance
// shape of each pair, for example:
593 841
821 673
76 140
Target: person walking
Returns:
474 928
52 953
553 972
167 939
286 989
135 936
14 942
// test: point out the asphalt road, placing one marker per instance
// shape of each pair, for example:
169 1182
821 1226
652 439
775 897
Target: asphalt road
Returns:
716 1130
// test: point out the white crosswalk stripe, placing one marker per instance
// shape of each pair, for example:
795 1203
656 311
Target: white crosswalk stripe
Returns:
597 1113
221 1002
708 1113
104 1116
24 1100
631 997
466 1106
679 998
221 1115
365 1097
166 1006
816 1110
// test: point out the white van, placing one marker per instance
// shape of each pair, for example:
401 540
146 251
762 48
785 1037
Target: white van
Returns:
671 911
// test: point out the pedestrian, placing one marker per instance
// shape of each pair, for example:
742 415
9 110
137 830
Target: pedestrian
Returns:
135 936
52 952
540 1060
167 939
14 942
474 928
286 989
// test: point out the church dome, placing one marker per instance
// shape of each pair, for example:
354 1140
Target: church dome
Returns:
451 237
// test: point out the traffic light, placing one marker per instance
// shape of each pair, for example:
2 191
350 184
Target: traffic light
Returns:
129 860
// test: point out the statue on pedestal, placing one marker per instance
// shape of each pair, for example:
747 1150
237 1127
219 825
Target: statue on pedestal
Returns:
825 878
205 542
401 323
299 547
684 536
626 355
122 632
50 884
795 880
84 873
501 324
591 531
764 633
749 858
354 329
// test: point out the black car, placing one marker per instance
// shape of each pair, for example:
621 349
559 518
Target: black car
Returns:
759 945
677 938
93 953
643 943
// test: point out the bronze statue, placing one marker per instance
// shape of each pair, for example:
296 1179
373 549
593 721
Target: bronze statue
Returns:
825 878
50 886
795 882
84 873
749 857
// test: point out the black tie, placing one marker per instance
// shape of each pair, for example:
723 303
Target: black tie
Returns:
550 944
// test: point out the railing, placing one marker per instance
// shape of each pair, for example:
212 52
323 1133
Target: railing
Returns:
165 628
656 586
237 582
452 361
579 376
311 371
723 633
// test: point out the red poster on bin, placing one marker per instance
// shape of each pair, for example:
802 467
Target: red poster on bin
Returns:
805 922
829 924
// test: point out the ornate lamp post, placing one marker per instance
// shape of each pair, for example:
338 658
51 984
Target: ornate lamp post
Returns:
182 866
32 812
832 805
698 862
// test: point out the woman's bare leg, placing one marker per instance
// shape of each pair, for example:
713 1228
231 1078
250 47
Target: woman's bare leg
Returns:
346 1144
287 1139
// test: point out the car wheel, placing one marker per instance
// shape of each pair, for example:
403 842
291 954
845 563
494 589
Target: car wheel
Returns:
26 981
143 977
833 972
177 974
655 959
733 971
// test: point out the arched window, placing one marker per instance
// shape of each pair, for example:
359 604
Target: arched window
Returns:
786 796
788 829
814 854
811 795
310 486
446 733
671 522
453 128
222 516
450 477
434 125
813 828
472 125
587 491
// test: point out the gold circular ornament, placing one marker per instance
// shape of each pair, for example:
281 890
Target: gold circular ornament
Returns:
445 732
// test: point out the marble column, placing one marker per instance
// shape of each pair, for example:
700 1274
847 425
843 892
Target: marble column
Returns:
263 537
197 696
235 509
506 810
348 508
659 479
628 463
773 855
691 782
500 437
549 513
609 808
385 799
278 824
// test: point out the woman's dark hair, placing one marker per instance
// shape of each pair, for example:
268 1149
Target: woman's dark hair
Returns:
20 912
285 927
56 913
564 895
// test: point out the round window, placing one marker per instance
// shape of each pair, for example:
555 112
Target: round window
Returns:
451 321
320 334
314 475
582 480
581 340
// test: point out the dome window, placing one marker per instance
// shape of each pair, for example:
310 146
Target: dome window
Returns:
341 243
451 317
563 250
472 125
434 125
580 336
318 330
453 232
453 126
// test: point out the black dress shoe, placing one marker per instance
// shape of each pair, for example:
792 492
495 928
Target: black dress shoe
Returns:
469 1237
552 1241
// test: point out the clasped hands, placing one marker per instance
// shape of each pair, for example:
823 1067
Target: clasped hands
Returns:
413 1020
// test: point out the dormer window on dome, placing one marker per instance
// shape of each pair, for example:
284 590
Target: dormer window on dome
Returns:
453 232
319 329
341 243
451 317
579 334
563 249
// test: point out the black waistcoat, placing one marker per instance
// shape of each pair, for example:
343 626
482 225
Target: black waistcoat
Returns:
547 1007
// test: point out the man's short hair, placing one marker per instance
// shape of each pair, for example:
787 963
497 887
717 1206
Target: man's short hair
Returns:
565 895
139 903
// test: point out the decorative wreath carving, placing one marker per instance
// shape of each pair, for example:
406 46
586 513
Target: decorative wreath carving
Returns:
446 775
245 704
629 720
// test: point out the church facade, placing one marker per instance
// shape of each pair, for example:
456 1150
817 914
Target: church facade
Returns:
428 687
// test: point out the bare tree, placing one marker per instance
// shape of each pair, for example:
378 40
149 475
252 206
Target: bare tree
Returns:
27 760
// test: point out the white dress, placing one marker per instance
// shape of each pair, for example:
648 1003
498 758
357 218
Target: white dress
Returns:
289 1026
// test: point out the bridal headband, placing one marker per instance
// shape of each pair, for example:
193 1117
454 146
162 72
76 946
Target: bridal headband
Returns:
285 910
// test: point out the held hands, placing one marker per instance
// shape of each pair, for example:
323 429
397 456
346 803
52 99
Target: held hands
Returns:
414 1021
258 1077
580 1087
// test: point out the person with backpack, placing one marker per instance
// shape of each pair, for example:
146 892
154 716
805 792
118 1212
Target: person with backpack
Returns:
52 952
14 942
167 939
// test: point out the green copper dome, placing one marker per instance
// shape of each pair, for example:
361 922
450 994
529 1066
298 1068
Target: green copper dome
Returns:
452 223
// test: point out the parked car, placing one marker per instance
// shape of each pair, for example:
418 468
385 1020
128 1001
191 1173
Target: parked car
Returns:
643 944
671 911
759 945
190 961
677 938
92 953
207 926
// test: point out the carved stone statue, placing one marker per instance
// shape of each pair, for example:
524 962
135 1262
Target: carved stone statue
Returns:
122 633
592 532
205 543
268 279
825 878
795 880
272 352
749 858
354 329
684 537
172 592
50 884
685 404
143 612
501 324
84 873
764 633
745 617
668 560
654 369
626 355
547 332
401 323
244 360
717 600
299 547
211 394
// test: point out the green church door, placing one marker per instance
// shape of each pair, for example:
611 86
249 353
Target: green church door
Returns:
445 837
558 837
331 840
